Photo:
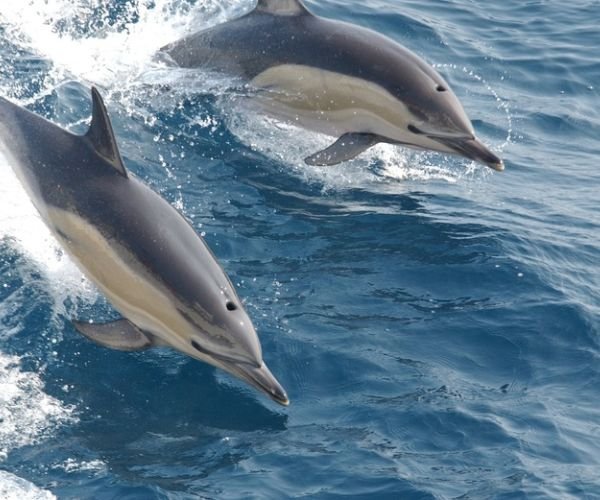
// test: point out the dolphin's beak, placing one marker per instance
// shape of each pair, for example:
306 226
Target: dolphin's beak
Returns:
261 378
471 147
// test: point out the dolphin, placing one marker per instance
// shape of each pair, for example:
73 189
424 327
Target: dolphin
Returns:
137 249
335 78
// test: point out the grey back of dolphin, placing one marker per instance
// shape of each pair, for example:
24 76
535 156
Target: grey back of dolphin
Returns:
141 252
367 87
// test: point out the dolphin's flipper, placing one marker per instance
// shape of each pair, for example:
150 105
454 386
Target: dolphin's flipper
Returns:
345 148
121 335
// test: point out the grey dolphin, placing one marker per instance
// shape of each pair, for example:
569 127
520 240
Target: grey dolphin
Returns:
336 78
140 252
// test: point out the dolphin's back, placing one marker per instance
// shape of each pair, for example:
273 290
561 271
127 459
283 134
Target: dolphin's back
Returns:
243 47
51 162
252 44
249 45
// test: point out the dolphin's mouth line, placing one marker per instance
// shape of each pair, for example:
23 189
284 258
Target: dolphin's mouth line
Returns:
272 389
222 357
255 374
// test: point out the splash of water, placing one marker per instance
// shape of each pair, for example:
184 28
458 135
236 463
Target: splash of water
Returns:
374 169
23 228
15 488
86 40
27 413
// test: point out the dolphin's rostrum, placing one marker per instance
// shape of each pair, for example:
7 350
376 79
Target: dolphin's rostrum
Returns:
336 78
140 252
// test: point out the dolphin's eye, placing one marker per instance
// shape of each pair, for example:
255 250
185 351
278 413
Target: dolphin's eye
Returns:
441 88
230 306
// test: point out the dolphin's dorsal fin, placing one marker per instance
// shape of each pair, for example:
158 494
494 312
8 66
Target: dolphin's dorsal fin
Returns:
281 7
101 134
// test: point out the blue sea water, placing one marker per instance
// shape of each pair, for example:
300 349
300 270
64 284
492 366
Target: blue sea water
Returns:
436 325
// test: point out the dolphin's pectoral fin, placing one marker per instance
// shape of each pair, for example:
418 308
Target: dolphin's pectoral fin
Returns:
345 148
121 335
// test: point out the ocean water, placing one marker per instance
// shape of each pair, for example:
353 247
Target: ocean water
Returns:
436 324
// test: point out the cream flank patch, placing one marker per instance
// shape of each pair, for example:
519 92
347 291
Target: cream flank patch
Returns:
351 104
336 104
130 292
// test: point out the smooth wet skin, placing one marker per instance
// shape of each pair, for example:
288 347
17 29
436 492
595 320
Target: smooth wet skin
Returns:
140 252
336 78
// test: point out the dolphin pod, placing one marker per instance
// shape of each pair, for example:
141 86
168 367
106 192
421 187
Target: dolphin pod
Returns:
336 78
328 76
138 250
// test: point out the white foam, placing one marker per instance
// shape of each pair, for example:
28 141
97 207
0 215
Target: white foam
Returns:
112 56
15 488
27 413
72 465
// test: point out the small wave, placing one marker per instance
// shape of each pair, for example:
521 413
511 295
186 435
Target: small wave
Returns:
72 465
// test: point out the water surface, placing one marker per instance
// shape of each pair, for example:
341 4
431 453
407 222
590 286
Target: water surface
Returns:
435 323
